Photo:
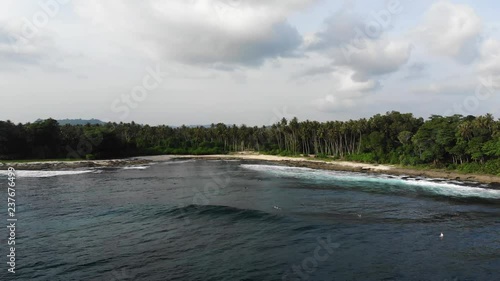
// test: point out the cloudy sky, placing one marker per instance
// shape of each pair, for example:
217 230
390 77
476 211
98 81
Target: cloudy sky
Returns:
246 61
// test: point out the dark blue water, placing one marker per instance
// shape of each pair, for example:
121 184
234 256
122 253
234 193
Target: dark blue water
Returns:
219 220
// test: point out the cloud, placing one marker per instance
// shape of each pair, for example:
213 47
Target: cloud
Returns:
200 31
489 64
344 39
451 30
338 29
379 57
17 50
314 71
347 91
449 86
416 71
345 82
331 103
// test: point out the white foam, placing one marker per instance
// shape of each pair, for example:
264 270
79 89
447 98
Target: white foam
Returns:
454 188
172 162
45 174
136 168
451 189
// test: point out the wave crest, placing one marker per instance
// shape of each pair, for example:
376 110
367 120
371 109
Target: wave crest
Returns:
383 183
45 174
219 211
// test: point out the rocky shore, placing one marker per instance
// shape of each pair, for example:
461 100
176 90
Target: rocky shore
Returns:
353 167
64 165
290 161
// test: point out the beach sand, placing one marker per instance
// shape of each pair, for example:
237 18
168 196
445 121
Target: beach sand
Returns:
338 166
290 161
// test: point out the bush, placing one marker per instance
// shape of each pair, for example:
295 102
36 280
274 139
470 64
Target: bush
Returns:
489 167
394 158
90 157
286 153
321 156
362 157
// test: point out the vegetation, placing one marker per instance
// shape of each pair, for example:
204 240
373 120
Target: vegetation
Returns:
464 143
92 121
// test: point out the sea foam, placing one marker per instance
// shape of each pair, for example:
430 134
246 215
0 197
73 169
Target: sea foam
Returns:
45 174
353 179
136 168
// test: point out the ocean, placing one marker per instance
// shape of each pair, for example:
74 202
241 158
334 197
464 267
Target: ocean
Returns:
242 220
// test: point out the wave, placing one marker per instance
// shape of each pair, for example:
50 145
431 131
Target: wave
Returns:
136 168
172 162
45 174
382 182
219 211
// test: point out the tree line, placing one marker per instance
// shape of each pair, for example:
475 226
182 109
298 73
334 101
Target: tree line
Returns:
468 143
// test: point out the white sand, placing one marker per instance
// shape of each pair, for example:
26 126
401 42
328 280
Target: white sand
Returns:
255 156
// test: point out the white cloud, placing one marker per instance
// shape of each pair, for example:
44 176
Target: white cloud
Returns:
199 31
338 29
343 38
332 103
450 30
346 93
379 57
206 47
347 84
17 50
449 86
489 65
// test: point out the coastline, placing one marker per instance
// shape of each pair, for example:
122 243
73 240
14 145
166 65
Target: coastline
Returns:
66 165
289 161
339 166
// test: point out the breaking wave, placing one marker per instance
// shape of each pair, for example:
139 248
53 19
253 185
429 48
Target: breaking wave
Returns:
45 174
175 162
384 183
136 168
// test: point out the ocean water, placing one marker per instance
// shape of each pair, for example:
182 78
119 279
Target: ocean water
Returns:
232 220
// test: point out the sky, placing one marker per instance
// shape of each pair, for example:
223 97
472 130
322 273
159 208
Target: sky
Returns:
250 62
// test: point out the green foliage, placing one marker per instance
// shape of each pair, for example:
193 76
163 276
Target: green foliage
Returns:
489 167
321 156
90 157
286 153
363 157
469 144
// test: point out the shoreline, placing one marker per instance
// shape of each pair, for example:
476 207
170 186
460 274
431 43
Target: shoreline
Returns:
289 161
64 165
340 166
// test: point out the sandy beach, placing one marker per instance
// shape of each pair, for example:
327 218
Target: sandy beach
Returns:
290 161
337 166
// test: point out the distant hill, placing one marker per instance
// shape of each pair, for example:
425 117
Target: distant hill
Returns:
80 121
